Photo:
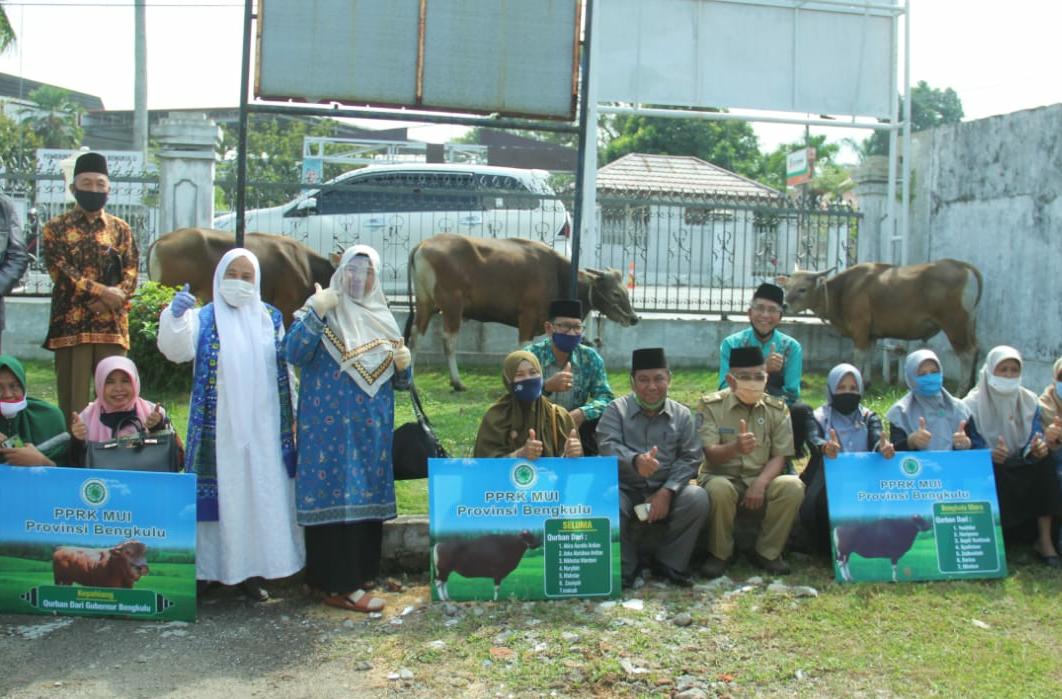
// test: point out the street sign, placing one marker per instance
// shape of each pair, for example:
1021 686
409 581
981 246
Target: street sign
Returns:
799 167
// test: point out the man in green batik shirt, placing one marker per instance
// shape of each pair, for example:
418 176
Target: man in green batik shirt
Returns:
574 374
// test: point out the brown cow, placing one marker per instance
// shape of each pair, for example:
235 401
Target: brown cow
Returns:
119 566
871 301
501 280
289 268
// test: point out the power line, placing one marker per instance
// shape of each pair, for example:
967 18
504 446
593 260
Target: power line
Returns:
122 3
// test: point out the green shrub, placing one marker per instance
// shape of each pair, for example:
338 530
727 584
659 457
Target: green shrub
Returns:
156 372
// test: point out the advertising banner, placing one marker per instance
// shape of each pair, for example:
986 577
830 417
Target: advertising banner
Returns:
511 528
918 516
93 542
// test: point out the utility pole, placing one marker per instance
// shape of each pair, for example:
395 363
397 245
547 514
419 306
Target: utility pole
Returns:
140 115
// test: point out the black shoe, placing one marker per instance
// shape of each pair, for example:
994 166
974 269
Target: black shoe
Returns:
676 577
713 567
252 589
774 566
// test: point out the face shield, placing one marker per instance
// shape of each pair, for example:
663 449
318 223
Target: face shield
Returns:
356 274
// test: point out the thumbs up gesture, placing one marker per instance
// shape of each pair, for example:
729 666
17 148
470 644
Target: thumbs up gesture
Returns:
78 429
154 419
919 439
960 441
182 301
775 361
885 447
1053 434
746 441
573 446
323 300
1000 451
532 448
832 447
561 381
647 464
1038 448
402 356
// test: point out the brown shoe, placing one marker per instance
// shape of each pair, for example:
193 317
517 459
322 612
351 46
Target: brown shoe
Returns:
713 567
774 566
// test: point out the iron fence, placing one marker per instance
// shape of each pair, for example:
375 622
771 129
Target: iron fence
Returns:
705 255
675 254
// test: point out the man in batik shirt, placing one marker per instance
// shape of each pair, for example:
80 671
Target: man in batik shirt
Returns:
92 259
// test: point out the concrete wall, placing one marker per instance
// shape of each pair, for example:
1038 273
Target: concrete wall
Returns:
690 341
987 192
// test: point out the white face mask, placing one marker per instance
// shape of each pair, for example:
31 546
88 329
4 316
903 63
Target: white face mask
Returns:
237 292
1004 384
11 408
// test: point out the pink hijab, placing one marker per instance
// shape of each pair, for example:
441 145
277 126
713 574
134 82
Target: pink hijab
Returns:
97 431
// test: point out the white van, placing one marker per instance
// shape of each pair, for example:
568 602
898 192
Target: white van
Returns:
394 207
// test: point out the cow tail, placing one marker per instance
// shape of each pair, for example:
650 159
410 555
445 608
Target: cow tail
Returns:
435 559
408 330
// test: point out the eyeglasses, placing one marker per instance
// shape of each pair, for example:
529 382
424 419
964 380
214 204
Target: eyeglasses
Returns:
569 327
766 310
761 376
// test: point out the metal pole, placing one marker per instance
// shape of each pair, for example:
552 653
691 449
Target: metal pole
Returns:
905 210
140 113
584 128
416 116
241 148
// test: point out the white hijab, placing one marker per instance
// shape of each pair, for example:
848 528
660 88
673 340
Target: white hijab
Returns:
943 412
362 335
996 414
247 357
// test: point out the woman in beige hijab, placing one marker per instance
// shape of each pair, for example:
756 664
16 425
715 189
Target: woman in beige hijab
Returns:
522 424
1009 419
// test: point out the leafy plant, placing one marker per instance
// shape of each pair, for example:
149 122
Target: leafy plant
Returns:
156 372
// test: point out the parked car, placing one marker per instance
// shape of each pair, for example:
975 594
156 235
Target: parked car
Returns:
394 207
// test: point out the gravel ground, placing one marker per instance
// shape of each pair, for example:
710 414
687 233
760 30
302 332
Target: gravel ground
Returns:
236 649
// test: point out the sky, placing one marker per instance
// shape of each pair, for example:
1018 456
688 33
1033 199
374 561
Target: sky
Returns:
999 57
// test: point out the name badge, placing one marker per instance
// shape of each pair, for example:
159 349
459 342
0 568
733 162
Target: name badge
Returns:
727 430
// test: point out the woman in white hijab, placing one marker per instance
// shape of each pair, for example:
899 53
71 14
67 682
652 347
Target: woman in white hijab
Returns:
928 418
352 357
1008 417
843 424
240 441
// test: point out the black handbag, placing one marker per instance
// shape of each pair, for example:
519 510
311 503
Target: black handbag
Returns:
140 451
414 443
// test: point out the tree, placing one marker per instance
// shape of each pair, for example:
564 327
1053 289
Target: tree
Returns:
930 108
274 158
729 144
7 32
57 118
18 146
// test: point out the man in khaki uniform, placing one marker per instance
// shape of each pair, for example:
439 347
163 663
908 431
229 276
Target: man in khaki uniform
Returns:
747 436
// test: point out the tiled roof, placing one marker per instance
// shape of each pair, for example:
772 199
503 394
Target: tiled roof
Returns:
685 175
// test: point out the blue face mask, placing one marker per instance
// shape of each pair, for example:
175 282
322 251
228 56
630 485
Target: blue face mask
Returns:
565 342
1058 388
930 384
528 390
